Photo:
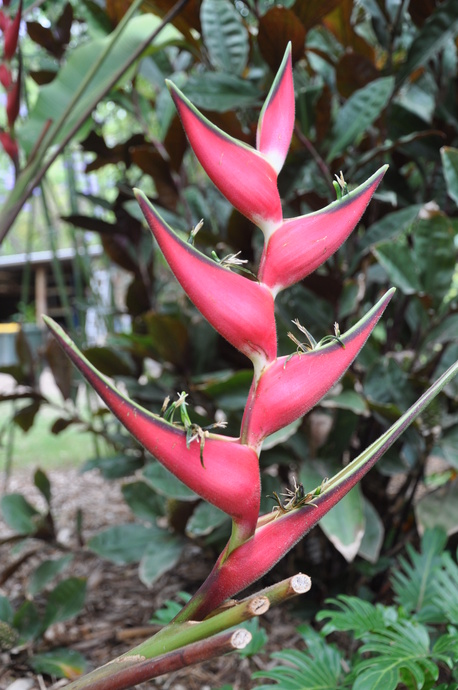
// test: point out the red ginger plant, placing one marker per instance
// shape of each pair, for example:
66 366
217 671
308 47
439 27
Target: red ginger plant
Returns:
223 470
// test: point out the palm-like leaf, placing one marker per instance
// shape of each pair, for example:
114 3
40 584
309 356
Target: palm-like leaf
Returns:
397 653
352 615
445 589
412 581
320 668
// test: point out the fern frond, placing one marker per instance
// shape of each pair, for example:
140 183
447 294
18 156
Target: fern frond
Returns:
397 653
317 668
352 614
445 589
412 581
446 647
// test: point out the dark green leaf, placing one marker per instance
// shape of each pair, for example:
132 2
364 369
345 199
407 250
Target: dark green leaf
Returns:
390 226
398 261
123 543
374 532
439 508
6 610
435 255
445 332
220 92
205 519
65 601
224 35
449 356
27 621
43 484
46 572
109 362
168 337
143 501
346 400
60 424
166 483
281 435
450 169
114 466
26 415
439 28
19 514
229 390
62 663
160 556
358 113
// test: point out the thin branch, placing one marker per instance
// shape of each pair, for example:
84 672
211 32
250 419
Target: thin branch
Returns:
136 669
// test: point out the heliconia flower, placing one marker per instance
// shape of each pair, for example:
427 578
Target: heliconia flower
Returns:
11 33
238 569
229 475
291 386
241 310
10 146
5 76
276 121
300 245
242 174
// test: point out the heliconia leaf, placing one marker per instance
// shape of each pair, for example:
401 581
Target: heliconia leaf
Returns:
242 310
300 245
247 563
229 475
242 174
276 121
292 385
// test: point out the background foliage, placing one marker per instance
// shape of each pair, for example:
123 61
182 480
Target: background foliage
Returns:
375 82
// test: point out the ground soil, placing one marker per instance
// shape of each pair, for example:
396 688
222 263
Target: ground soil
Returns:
118 606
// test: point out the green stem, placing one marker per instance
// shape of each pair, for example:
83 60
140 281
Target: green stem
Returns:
54 130
136 670
56 267
178 636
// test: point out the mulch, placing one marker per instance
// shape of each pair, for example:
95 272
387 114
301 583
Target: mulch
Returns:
118 606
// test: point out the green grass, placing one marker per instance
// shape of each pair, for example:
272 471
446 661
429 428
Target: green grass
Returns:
39 447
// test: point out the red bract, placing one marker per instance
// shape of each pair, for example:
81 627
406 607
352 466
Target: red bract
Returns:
276 122
276 535
10 146
4 21
302 244
240 309
5 76
292 385
242 174
11 33
13 100
229 475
